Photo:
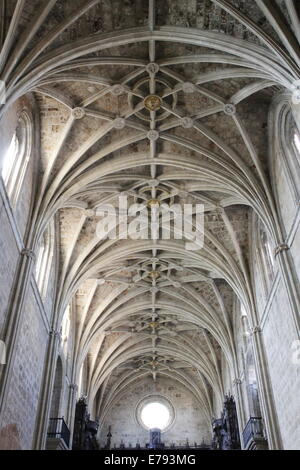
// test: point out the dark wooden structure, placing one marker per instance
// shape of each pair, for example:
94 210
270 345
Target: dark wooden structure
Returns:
85 430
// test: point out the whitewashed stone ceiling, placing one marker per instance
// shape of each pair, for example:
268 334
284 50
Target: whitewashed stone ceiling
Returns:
146 307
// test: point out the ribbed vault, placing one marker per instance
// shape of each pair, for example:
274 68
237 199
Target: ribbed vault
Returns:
146 307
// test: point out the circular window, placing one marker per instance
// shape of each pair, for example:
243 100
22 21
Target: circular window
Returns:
155 415
155 412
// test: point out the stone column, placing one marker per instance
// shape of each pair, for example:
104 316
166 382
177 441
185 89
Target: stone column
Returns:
45 398
73 396
265 391
240 407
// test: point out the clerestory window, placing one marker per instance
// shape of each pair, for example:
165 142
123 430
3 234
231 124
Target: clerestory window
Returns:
16 158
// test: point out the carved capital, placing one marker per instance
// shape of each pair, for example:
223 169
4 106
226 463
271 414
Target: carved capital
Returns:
280 248
237 382
73 387
28 253
256 329
54 333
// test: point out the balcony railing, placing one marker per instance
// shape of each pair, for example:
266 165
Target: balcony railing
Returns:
253 430
202 446
59 430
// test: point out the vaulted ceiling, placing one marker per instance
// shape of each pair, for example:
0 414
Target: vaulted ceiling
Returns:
150 307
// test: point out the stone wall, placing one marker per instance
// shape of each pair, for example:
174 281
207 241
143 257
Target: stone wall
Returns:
278 326
25 381
18 420
9 256
189 423
279 334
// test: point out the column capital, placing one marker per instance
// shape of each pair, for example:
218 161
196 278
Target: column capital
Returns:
237 382
256 329
29 253
280 248
54 333
73 387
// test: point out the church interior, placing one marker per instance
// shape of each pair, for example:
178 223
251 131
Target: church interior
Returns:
141 342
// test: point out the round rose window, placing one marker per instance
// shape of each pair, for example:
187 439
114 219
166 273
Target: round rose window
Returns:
155 415
155 412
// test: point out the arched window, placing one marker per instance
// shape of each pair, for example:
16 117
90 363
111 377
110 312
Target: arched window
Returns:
291 152
9 158
65 331
296 143
264 260
16 158
249 368
245 325
293 146
267 256
44 259
252 386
